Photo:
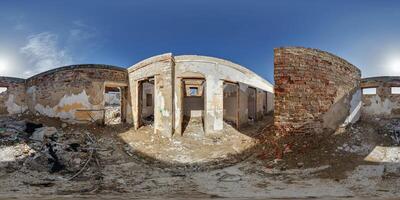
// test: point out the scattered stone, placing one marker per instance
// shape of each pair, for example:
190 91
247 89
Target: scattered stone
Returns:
300 164
230 178
128 150
64 125
40 133
77 161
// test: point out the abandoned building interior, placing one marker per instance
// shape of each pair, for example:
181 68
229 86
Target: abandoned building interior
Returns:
192 110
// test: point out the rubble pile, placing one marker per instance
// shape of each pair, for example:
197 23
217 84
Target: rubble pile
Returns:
392 129
40 148
113 114
356 144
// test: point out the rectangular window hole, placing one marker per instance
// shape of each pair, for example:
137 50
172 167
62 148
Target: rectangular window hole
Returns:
369 90
3 89
395 90
193 91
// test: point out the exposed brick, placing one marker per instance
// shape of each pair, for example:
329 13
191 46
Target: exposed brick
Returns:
307 83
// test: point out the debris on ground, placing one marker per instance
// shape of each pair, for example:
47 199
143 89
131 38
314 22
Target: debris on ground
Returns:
50 158
112 114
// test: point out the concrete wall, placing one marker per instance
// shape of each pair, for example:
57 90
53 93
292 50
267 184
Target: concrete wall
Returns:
383 104
315 91
75 93
161 68
193 106
12 101
215 71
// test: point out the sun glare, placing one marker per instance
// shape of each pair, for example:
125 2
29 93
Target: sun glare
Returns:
3 65
394 65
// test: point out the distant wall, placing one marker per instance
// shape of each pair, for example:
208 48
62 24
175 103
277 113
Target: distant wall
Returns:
75 92
315 91
12 101
384 103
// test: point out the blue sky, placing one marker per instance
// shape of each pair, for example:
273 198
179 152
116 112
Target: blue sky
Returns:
39 35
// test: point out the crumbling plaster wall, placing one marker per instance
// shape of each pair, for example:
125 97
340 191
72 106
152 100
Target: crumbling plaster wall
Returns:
161 68
315 91
215 72
383 104
74 93
12 101
230 102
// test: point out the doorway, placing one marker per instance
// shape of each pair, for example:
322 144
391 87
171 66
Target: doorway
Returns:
146 102
251 104
231 104
112 105
193 106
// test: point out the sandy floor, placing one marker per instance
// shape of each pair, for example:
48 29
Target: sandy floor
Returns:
339 170
194 146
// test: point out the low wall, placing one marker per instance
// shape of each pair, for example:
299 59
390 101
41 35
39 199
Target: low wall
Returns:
315 91
383 104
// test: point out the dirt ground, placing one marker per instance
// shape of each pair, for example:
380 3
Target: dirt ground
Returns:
67 161
194 147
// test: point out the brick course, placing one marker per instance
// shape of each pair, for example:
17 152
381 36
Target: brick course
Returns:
307 83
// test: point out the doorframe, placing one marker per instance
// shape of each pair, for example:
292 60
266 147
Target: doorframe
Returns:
139 99
123 89
182 97
236 84
255 101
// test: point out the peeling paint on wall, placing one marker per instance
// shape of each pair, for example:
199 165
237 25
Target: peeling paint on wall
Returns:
169 71
378 107
68 106
383 104
32 91
12 107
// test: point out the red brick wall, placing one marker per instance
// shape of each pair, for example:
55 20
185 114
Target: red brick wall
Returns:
308 82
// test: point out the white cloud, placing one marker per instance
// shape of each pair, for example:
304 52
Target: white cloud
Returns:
44 53
81 31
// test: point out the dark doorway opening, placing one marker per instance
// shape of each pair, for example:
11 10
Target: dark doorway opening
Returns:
251 104
146 102
231 104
